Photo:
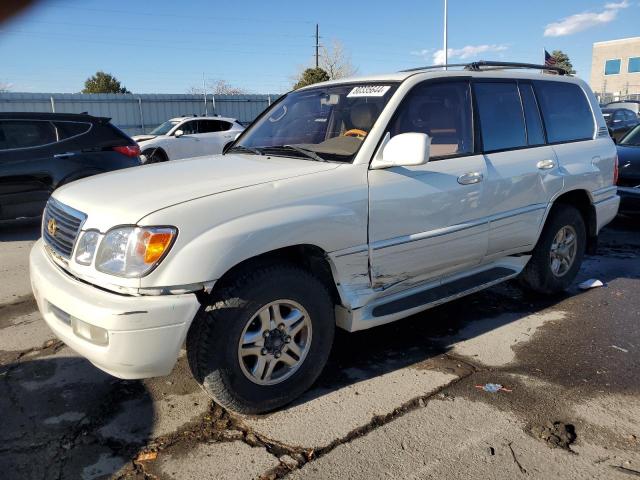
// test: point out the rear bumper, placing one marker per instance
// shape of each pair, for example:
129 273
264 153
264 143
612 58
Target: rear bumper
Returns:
629 199
128 337
606 210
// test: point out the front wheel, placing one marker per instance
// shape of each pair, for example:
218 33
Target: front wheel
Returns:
557 257
263 340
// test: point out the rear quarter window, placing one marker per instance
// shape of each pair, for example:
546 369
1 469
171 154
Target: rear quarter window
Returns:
71 129
565 110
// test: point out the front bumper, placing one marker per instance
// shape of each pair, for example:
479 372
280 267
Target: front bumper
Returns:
629 199
139 337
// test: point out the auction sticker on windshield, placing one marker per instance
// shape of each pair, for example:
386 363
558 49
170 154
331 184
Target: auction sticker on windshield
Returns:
369 91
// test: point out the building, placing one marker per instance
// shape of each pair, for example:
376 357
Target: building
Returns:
615 68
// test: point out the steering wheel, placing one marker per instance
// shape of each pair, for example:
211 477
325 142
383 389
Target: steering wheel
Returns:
355 132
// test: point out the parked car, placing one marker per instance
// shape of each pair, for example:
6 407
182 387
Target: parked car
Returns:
619 121
633 105
40 152
185 137
349 203
629 172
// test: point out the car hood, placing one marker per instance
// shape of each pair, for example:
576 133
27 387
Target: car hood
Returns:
125 196
143 138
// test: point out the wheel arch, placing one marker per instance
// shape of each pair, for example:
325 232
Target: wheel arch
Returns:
582 200
156 149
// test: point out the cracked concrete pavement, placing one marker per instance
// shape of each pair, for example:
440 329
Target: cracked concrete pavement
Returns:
398 401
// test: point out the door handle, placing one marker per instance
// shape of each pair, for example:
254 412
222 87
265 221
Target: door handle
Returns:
470 178
545 164
64 155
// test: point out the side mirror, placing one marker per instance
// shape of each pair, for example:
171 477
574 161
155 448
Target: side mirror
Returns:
403 150
178 133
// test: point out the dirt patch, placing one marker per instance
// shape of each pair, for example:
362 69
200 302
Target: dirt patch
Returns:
555 434
21 306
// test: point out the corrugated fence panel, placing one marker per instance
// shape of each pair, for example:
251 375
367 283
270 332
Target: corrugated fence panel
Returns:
138 113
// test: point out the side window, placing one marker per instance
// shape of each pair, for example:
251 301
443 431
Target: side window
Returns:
535 131
208 126
501 116
189 128
25 134
565 111
71 129
630 115
224 126
442 111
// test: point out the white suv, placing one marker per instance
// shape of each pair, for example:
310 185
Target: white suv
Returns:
185 137
351 203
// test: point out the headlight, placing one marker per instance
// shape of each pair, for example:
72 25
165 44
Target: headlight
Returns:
133 251
87 247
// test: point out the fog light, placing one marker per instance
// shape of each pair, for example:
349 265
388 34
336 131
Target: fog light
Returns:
91 333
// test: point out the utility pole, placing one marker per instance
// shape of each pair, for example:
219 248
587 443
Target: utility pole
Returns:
317 44
446 51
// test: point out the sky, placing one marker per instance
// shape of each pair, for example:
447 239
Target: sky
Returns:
165 46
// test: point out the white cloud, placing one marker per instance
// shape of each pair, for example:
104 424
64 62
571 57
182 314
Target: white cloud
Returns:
582 21
464 53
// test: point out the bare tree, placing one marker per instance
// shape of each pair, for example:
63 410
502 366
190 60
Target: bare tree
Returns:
336 61
216 87
5 87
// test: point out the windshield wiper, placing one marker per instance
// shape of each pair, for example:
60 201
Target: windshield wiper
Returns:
306 152
242 148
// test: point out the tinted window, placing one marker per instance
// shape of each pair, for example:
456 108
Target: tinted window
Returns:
535 131
565 111
501 117
612 67
618 116
208 126
442 111
25 134
71 129
634 65
189 128
630 115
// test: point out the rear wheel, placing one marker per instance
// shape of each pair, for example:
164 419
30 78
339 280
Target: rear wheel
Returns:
154 155
558 255
263 340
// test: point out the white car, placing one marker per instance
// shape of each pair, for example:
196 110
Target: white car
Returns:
349 203
186 137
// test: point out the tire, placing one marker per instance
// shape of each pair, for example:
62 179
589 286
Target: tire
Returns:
154 155
539 275
213 341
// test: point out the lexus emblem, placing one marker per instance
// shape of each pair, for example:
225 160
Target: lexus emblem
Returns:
52 227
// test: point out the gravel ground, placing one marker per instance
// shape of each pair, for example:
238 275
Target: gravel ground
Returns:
399 401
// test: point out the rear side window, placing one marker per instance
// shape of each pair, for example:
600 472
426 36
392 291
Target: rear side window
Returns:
71 129
442 111
565 110
25 134
208 126
535 131
501 116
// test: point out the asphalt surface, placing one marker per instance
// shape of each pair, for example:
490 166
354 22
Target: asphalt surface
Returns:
404 400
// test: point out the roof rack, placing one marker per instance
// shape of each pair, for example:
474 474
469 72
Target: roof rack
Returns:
481 65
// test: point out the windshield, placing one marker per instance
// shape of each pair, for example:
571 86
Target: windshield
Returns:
164 128
632 138
324 123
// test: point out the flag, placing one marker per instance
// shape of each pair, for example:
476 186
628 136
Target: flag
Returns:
549 60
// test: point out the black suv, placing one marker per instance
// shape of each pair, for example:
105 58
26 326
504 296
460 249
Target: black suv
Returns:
41 151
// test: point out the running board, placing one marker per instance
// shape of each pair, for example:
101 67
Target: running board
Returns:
426 296
447 290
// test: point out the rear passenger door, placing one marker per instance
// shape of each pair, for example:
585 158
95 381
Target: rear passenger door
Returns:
214 135
27 165
522 171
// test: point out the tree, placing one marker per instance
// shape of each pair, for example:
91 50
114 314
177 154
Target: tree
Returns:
5 87
103 82
311 76
336 61
562 61
217 87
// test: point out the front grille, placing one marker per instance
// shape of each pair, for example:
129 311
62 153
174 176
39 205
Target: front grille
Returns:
60 227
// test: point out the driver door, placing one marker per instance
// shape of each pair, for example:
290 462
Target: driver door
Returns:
188 144
428 221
